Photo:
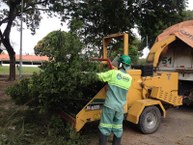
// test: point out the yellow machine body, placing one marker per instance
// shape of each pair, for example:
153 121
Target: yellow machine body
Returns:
154 90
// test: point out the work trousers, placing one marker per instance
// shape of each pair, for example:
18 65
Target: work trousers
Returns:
111 122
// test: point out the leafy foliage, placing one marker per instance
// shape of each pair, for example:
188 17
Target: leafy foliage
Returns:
68 80
152 17
188 15
115 49
65 83
32 10
93 20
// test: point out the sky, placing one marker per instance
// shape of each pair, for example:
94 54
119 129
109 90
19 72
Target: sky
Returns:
46 25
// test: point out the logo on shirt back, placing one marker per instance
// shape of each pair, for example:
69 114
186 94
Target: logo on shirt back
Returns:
119 77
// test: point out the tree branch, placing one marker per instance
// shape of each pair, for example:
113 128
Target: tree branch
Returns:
41 2
1 35
11 17
26 10
4 21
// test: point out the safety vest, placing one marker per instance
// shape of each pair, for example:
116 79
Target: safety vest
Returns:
118 84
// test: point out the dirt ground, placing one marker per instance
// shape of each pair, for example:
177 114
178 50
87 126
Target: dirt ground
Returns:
175 129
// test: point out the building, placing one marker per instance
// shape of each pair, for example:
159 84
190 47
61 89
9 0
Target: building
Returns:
27 60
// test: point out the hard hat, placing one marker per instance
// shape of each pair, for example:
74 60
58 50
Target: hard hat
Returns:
125 59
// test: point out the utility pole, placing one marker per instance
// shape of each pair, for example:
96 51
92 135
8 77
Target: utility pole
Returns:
21 40
147 41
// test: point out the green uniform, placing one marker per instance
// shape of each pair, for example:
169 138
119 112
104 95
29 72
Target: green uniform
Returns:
112 115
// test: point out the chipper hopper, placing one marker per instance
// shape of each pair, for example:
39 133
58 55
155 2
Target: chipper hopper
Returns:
146 98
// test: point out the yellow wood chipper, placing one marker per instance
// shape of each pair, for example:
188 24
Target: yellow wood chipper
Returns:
146 99
173 52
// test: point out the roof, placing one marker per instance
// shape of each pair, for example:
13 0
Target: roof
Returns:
183 30
25 57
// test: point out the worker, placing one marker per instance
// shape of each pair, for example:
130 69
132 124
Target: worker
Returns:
119 81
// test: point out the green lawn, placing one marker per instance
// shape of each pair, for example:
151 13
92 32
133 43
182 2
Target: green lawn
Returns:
25 70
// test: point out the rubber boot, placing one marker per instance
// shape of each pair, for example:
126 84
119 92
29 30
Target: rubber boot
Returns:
116 140
102 139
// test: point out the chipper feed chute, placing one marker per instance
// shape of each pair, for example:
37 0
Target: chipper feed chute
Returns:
89 113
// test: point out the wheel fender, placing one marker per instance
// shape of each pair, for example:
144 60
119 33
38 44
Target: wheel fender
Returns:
137 108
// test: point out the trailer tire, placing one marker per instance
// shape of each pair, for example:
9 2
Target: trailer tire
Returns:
149 120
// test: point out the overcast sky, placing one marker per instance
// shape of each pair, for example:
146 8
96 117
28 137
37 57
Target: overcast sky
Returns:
29 41
47 25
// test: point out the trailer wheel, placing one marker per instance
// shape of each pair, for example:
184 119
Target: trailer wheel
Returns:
150 120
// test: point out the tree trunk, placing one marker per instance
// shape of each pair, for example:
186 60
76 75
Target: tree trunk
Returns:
11 52
5 36
12 72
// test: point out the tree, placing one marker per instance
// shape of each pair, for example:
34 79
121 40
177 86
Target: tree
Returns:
92 20
152 17
95 19
188 15
67 82
10 15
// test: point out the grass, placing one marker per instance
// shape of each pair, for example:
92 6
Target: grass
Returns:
25 70
20 125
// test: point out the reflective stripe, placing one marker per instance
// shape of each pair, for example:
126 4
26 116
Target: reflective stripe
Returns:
117 126
106 125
